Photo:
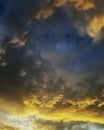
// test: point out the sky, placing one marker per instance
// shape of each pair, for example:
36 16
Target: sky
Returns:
51 65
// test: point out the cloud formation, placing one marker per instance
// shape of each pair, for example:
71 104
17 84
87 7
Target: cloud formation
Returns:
39 39
92 13
4 126
37 90
17 17
47 125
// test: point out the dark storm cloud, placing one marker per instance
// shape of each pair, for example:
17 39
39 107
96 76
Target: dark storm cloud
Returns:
23 71
30 83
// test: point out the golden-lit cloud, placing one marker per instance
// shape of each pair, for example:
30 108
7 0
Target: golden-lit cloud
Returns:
91 12
7 126
27 86
44 13
95 20
58 108
58 3
21 40
48 8
40 93
83 5
44 126
96 26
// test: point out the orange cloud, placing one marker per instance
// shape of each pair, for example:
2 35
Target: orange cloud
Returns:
95 20
95 26
58 108
55 106
21 40
83 5
44 13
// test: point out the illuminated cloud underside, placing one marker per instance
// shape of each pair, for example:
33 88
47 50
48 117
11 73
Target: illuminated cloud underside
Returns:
32 94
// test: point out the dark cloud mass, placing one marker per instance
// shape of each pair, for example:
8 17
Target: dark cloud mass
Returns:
51 65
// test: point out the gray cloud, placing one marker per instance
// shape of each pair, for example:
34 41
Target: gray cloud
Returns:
30 84
28 80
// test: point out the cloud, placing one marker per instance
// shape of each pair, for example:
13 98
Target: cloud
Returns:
83 5
4 126
91 11
96 26
29 84
48 125
89 8
39 91
58 108
19 15
48 7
